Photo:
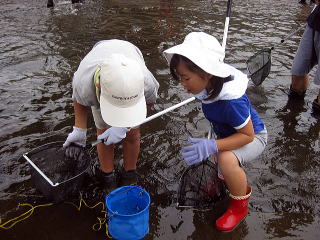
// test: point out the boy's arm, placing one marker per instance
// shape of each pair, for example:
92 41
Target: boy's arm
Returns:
81 115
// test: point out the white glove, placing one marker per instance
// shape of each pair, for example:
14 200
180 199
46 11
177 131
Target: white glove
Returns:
78 136
113 135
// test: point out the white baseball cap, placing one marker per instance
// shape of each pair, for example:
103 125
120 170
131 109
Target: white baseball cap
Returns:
122 100
204 50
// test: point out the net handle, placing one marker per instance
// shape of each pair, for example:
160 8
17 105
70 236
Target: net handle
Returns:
293 33
169 109
226 26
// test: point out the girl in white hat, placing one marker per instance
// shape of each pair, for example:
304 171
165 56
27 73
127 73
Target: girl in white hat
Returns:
241 135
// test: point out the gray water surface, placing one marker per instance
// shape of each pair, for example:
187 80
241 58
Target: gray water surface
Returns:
40 50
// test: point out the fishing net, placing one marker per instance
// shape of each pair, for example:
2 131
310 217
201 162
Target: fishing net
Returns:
259 66
58 172
200 187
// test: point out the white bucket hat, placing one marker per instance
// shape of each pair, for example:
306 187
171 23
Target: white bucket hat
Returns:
122 100
204 50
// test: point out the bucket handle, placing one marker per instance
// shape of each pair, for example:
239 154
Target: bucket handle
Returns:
127 190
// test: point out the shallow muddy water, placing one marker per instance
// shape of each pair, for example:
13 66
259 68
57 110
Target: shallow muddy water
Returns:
40 50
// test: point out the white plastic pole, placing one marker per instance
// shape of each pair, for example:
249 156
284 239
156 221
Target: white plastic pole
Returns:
169 109
39 171
226 27
225 33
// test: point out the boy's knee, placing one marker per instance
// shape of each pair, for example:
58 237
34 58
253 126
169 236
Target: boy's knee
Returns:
133 135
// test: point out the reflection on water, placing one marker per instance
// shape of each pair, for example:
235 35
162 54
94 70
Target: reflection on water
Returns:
41 48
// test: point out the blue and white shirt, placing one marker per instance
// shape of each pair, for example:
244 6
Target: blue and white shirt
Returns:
231 109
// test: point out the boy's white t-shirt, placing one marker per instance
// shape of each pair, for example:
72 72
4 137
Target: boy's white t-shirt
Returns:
84 91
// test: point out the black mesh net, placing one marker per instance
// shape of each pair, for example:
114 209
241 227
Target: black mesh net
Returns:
64 167
200 187
259 66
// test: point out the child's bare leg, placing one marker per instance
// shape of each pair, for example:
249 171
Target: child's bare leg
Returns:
236 181
131 149
233 174
105 155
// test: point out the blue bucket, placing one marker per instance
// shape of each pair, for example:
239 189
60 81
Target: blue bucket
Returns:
128 212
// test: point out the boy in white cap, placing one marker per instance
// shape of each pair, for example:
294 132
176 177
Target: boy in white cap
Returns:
114 83
241 135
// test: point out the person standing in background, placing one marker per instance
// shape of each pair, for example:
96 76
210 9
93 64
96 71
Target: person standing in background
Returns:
307 57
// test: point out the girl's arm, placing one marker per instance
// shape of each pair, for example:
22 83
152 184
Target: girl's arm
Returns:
242 137
81 115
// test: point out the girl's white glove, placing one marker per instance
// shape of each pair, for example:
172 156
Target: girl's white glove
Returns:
113 135
77 136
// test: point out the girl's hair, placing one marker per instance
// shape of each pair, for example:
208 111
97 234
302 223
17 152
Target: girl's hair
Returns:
215 81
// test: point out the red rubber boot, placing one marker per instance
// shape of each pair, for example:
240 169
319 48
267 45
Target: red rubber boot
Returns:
236 212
